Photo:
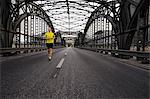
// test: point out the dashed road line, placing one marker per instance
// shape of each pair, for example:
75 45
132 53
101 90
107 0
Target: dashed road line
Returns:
55 76
59 66
60 63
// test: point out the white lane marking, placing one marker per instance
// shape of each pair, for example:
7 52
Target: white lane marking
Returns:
55 76
60 63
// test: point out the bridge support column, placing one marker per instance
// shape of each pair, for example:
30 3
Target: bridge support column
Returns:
4 16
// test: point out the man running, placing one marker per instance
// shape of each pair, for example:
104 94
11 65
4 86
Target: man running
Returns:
49 36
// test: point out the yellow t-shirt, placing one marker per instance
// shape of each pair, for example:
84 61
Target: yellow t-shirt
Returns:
49 36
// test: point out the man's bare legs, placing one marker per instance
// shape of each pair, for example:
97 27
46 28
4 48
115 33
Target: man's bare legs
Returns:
50 51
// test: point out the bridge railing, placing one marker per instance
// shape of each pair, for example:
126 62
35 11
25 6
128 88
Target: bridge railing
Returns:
142 56
13 50
9 51
34 44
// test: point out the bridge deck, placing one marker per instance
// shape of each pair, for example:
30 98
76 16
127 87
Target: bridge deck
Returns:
83 75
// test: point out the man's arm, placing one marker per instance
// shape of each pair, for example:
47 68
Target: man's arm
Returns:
44 37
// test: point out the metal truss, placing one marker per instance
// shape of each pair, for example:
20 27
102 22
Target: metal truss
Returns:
82 9
25 26
53 4
127 24
134 25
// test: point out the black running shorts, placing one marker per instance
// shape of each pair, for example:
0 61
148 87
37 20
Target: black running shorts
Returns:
49 45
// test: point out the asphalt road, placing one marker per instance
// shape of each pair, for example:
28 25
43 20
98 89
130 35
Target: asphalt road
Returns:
83 75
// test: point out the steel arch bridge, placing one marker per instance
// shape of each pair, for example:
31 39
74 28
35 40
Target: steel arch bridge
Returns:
101 49
112 24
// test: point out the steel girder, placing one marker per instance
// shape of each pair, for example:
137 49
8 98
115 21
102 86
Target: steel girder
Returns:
141 10
124 19
4 16
128 23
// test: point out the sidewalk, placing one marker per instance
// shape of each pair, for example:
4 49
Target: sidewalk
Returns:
19 55
131 61
136 63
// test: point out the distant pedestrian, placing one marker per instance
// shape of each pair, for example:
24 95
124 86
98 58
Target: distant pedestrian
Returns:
49 36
